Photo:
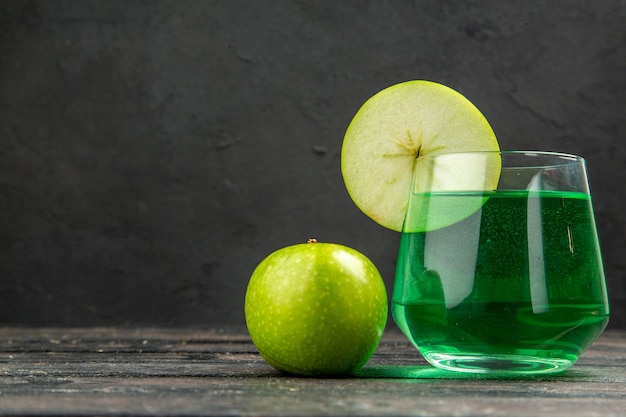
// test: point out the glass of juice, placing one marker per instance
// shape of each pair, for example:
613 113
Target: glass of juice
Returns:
506 279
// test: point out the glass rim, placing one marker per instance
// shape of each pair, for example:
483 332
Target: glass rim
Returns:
529 153
564 155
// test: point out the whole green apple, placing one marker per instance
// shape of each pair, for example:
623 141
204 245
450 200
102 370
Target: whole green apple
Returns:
316 309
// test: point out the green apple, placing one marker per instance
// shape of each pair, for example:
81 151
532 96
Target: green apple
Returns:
395 131
316 309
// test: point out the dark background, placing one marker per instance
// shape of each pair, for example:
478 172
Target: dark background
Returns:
153 152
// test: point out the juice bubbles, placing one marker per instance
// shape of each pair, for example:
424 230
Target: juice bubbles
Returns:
518 286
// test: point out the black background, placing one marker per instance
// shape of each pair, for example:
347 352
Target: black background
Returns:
153 152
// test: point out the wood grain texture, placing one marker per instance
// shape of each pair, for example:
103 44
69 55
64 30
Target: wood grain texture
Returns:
185 372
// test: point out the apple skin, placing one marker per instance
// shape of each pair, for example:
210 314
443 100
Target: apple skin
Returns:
316 309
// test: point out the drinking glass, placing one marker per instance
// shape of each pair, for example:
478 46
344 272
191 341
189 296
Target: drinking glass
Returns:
501 279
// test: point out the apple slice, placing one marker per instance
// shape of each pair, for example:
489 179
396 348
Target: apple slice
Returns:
404 122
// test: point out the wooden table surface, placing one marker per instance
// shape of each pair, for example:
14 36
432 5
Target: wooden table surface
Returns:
186 372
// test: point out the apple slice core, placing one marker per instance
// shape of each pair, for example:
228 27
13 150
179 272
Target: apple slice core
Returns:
395 127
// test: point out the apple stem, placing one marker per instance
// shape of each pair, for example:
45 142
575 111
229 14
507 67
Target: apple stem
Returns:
311 240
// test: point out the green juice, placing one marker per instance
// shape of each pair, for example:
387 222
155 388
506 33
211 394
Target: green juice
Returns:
517 285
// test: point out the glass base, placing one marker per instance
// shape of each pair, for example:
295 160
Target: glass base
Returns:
498 364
